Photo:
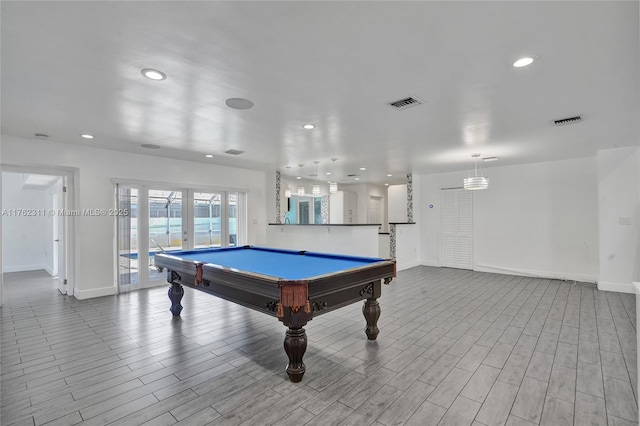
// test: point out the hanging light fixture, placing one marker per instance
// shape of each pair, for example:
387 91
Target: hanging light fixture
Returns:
333 185
316 188
476 181
287 192
301 189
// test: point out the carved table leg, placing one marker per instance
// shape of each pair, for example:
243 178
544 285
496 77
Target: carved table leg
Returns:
295 345
175 295
371 312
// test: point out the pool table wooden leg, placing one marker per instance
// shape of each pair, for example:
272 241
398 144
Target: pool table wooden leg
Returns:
371 312
175 295
295 345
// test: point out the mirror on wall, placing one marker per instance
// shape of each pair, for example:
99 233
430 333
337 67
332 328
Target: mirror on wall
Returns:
303 210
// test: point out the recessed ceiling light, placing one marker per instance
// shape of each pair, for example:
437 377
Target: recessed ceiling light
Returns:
87 136
490 158
524 61
209 155
298 177
328 173
389 175
239 103
386 184
309 126
357 178
154 74
363 168
150 146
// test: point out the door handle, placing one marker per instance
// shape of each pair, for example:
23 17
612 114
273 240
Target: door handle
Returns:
55 241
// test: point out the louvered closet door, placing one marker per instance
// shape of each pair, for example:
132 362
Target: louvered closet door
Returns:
456 250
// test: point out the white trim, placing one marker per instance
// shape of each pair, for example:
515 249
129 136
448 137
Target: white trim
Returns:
617 287
153 284
407 265
94 292
636 288
537 274
49 270
176 186
24 268
434 263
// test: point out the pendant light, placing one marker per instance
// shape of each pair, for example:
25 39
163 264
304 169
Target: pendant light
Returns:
301 189
476 181
333 185
287 192
316 188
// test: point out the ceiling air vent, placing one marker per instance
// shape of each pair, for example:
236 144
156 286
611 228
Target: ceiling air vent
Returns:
565 121
234 152
405 103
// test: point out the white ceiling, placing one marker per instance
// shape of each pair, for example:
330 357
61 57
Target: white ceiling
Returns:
74 67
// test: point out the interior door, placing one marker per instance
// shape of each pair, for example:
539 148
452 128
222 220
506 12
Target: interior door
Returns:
456 245
375 210
59 243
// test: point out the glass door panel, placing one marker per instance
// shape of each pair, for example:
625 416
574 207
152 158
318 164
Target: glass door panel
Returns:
165 220
232 209
207 212
128 270
165 226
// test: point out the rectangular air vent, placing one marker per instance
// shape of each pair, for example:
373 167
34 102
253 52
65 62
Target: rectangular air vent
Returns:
569 120
234 152
406 102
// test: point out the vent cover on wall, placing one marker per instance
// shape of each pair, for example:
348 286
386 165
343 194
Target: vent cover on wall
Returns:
569 120
405 102
234 152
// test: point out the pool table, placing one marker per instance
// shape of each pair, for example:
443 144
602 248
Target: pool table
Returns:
293 286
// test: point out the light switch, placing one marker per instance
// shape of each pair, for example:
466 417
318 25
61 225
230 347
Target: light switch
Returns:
624 220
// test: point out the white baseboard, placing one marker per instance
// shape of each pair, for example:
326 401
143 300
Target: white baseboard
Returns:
566 276
617 287
94 292
407 265
156 284
434 263
23 268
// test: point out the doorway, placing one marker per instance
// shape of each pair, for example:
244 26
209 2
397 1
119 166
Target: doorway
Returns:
163 219
375 210
36 230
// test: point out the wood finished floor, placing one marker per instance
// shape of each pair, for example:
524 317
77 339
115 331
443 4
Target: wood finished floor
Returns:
455 348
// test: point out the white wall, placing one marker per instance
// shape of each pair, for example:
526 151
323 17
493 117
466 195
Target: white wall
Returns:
535 219
95 169
365 192
619 204
351 240
407 246
397 203
25 238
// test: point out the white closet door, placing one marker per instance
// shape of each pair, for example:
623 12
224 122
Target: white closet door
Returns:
457 229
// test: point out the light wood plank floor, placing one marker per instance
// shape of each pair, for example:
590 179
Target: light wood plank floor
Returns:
455 348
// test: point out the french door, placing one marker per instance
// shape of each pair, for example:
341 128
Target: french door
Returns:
165 219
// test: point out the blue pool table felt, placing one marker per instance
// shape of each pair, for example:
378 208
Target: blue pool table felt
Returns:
283 264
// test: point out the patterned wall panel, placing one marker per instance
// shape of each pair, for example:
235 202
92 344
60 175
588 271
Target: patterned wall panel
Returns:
409 197
325 209
392 241
278 197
